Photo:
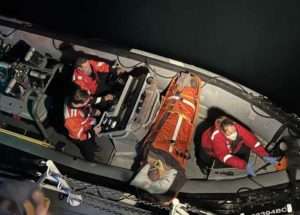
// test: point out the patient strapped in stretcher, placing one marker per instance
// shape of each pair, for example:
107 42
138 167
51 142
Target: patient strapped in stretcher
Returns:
167 145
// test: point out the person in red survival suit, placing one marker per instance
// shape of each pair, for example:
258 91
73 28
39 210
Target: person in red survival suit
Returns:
226 138
80 121
95 77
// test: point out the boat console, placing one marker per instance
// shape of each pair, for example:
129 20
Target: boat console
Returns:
132 106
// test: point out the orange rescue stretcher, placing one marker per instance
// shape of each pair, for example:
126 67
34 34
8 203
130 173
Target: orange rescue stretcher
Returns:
168 143
173 128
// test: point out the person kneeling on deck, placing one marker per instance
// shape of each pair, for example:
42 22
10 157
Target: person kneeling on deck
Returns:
228 141
96 77
80 119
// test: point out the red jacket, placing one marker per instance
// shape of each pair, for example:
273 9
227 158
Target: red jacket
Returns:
86 82
217 145
78 124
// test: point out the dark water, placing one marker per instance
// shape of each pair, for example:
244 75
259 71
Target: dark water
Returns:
253 42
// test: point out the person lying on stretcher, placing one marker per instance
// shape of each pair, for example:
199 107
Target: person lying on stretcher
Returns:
160 176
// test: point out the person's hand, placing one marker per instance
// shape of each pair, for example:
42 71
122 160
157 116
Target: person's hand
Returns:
97 112
120 70
97 129
93 121
39 204
250 169
270 160
108 97
42 203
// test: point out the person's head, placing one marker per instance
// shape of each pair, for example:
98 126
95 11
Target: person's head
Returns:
83 65
80 98
153 174
155 170
229 129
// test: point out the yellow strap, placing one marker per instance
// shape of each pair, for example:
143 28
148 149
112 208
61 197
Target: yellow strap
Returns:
29 139
187 97
180 114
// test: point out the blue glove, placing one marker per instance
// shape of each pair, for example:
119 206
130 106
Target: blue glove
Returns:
250 170
270 160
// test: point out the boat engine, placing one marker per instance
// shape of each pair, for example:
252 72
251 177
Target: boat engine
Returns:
25 75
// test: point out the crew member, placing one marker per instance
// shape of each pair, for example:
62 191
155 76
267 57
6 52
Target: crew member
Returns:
80 121
227 139
95 77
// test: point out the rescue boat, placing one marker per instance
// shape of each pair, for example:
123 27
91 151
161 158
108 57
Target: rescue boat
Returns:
161 111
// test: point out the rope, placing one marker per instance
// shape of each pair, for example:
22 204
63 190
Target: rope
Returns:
28 139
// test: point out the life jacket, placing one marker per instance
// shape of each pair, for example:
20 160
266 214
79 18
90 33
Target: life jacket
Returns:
78 123
217 145
90 83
